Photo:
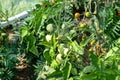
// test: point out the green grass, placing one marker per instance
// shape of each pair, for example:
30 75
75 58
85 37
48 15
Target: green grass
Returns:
12 7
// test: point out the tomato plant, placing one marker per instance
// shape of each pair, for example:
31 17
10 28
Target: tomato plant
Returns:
67 40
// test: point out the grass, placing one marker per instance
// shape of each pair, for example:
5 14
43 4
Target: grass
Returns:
11 7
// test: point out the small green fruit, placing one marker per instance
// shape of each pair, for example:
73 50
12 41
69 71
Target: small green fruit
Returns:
49 27
66 51
48 38
82 25
59 58
87 14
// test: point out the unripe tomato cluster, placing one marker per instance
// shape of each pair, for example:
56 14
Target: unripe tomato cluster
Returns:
77 15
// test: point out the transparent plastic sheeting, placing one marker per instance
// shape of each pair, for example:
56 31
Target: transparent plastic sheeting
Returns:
15 18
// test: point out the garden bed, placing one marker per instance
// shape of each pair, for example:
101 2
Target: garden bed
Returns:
62 40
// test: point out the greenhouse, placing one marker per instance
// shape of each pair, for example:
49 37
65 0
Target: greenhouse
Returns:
59 39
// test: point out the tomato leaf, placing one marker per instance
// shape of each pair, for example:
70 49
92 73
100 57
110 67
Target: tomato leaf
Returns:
46 44
55 74
89 69
91 76
66 70
32 48
47 55
77 48
24 32
84 42
94 59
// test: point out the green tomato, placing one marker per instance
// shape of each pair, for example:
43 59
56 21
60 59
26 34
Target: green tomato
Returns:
48 38
59 58
82 25
87 14
66 51
49 27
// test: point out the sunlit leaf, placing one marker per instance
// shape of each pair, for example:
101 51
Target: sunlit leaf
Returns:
24 32
77 48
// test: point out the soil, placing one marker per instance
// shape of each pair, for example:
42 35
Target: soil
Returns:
23 70
25 74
